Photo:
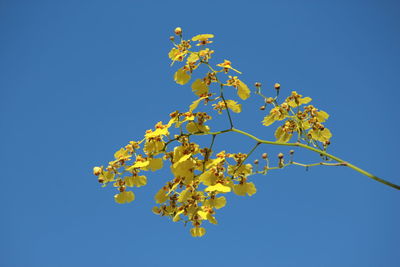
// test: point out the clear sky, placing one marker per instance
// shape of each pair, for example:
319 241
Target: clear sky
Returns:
80 79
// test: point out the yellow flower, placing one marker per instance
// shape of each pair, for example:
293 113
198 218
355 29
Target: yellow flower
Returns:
122 155
220 188
199 87
135 181
161 196
197 231
243 91
194 127
233 105
282 135
181 76
277 113
203 39
177 54
217 203
227 65
244 188
124 197
320 135
296 100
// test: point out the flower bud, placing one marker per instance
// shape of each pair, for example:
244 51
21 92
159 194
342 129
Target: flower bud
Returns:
262 107
97 171
256 161
264 156
178 31
269 100
280 155
257 84
172 38
277 86
291 152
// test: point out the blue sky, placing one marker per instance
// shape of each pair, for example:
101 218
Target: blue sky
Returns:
80 79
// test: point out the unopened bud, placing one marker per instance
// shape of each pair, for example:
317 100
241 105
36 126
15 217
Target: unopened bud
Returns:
269 100
280 155
257 84
277 86
327 143
178 31
172 38
101 180
121 188
264 155
97 171
291 152
256 161
262 107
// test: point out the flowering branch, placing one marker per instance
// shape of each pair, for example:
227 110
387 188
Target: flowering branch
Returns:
201 177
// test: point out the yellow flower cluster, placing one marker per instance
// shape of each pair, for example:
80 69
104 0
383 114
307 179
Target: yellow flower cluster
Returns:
307 123
200 181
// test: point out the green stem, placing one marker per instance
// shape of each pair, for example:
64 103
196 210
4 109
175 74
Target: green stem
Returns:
247 156
321 152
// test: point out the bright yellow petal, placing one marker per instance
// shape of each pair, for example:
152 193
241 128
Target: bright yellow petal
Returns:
322 116
135 181
245 188
197 231
234 106
305 100
124 197
243 90
193 57
177 217
161 196
202 37
184 195
181 77
268 120
194 104
219 188
202 214
208 178
155 164
194 127
199 87
282 136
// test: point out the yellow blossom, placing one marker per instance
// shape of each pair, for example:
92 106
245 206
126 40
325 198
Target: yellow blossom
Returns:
203 39
244 188
181 76
124 197
227 65
197 231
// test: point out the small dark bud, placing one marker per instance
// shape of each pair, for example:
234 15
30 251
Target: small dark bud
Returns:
280 155
327 143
